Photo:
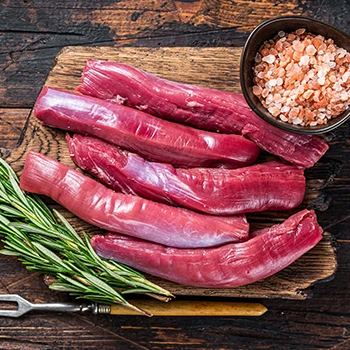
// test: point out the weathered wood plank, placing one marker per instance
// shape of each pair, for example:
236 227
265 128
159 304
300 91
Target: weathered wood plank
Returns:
12 121
197 68
32 33
320 322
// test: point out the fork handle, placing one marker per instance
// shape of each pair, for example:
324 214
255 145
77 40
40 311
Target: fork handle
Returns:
192 308
60 307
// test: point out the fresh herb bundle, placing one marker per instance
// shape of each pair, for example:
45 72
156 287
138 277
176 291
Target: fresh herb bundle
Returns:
45 242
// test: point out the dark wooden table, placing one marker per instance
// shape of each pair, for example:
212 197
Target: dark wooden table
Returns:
31 34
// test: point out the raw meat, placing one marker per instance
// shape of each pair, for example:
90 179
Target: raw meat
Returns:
268 186
154 138
203 108
131 215
230 265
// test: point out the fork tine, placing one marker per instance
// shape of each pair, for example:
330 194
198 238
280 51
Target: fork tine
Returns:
11 313
23 305
9 297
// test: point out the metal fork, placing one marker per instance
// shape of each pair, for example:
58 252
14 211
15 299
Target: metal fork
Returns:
153 307
25 306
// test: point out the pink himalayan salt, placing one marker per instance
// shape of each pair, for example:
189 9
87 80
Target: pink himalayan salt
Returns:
304 79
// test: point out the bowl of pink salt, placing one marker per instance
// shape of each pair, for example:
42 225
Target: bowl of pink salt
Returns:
295 74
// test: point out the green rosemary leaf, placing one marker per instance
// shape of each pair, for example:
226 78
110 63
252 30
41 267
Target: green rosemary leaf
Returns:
64 287
35 199
18 191
68 226
45 242
134 291
99 284
9 252
9 211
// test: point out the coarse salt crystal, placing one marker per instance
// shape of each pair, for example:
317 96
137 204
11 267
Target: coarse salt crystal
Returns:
325 67
328 57
341 53
313 123
301 78
310 74
321 73
332 48
310 50
269 59
304 60
307 94
321 80
345 77
257 57
297 121
297 55
300 31
339 107
333 78
305 80
298 46
344 96
269 99
312 60
337 86
279 46
265 93
268 74
274 111
293 95
300 89
279 81
294 112
323 47
277 97
283 118
257 90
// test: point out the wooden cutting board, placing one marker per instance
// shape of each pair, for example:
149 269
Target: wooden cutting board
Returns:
211 67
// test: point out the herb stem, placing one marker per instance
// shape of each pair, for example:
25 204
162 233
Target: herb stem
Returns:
45 242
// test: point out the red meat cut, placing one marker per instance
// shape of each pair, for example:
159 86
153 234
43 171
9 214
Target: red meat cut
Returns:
230 265
153 138
200 107
127 214
268 186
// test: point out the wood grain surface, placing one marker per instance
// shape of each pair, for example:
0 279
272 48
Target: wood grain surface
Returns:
31 35
211 67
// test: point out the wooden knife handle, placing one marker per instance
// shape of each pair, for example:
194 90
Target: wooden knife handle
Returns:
192 308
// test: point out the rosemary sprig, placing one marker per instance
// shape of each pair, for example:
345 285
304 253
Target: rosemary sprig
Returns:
45 242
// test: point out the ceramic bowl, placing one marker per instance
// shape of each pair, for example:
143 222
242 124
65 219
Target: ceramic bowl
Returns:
267 30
